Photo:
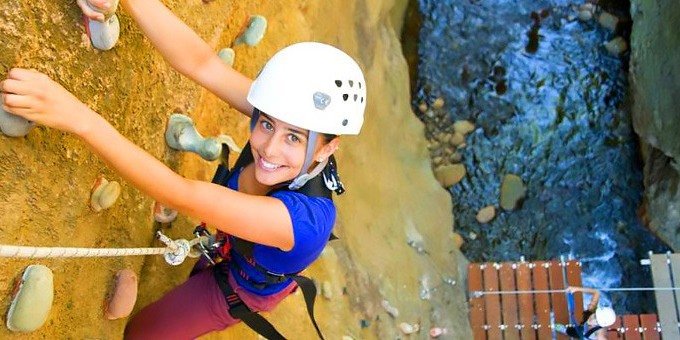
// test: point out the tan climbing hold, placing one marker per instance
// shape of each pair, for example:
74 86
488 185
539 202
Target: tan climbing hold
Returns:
486 214
449 175
124 295
32 300
104 194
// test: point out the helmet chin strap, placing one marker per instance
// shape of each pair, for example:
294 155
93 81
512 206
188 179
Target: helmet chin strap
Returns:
303 176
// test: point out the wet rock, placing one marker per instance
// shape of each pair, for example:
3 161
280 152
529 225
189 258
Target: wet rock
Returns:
456 157
449 175
608 21
438 103
513 191
586 12
438 160
124 295
227 56
13 125
463 127
32 300
327 290
408 328
486 214
616 46
391 310
444 138
457 139
422 107
104 194
472 235
104 35
458 240
253 32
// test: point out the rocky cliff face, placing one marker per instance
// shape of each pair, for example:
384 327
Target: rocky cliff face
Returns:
392 201
654 74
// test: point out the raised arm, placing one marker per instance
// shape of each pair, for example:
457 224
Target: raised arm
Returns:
186 51
594 292
260 219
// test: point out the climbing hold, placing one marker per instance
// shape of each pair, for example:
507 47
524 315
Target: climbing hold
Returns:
391 310
435 332
181 134
124 296
513 191
103 35
227 56
32 300
104 194
13 125
162 214
253 32
408 328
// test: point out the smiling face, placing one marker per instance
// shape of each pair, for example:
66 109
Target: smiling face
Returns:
279 150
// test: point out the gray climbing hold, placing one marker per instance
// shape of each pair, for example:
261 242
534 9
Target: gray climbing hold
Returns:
104 35
182 135
227 55
33 300
13 125
254 32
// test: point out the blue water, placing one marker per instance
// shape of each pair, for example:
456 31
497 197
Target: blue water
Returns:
555 114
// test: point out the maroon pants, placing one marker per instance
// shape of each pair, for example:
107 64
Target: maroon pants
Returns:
195 308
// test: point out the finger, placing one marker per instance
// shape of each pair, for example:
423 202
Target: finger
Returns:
100 4
14 86
27 114
15 101
20 74
89 12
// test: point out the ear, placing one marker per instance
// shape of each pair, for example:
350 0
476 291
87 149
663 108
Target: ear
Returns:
326 150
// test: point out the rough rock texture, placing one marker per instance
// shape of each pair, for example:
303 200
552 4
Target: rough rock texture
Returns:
45 177
655 79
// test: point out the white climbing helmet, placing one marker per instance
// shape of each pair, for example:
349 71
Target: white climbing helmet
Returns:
605 316
313 86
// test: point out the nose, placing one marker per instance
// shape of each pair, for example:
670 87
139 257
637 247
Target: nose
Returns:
269 146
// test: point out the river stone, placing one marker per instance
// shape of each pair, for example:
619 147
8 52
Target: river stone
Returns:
32 303
227 56
586 11
449 175
422 107
616 46
254 32
13 125
456 157
124 295
512 191
463 127
486 214
438 103
457 138
608 21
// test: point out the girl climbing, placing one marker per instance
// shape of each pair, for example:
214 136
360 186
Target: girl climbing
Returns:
273 211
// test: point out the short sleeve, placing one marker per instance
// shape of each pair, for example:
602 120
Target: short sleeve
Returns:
313 219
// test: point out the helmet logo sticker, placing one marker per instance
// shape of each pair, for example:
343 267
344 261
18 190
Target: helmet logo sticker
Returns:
321 100
344 122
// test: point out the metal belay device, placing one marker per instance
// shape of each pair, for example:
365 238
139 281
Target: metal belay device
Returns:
174 252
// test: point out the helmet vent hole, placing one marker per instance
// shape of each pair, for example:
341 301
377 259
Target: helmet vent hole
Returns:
344 122
362 99
345 97
355 97
338 83
351 83
359 84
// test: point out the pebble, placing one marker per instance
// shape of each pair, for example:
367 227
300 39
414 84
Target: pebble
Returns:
616 46
438 160
13 125
32 302
472 235
486 214
438 103
586 12
449 175
513 191
124 295
608 21
456 157
422 107
463 127
435 332
408 328
162 214
254 32
391 310
227 56
104 194
457 138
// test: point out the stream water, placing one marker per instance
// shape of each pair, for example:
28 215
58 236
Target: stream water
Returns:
549 104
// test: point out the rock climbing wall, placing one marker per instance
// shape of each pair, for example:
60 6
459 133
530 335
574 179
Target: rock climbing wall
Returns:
395 263
655 84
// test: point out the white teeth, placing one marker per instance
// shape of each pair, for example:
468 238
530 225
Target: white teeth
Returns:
269 166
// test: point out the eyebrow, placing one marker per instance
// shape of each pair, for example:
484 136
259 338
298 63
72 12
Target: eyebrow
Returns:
268 117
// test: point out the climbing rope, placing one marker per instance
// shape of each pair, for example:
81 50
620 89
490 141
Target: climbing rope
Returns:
478 293
175 251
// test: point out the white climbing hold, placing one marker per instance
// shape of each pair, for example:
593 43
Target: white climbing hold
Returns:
13 125
104 35
32 300
227 56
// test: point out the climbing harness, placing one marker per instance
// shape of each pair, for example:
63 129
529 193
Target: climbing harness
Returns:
224 246
477 294
175 251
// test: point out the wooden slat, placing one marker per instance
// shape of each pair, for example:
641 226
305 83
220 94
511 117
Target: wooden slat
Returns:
631 323
559 301
509 302
648 323
613 330
665 304
526 301
477 313
675 268
492 302
540 275
574 279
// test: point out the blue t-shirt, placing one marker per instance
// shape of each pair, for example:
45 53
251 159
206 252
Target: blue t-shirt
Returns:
313 219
